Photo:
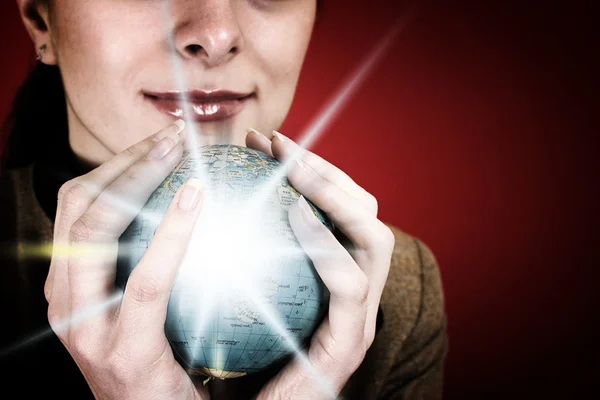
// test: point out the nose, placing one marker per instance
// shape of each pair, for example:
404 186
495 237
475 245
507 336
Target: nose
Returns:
207 31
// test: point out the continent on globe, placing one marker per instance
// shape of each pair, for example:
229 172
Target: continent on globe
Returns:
246 294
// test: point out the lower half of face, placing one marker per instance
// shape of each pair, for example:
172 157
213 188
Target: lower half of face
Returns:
130 68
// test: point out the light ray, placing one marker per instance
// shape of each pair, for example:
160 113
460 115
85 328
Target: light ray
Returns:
232 260
47 250
289 341
64 324
226 222
129 208
194 138
332 108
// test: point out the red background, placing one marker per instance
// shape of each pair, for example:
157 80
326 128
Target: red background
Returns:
478 133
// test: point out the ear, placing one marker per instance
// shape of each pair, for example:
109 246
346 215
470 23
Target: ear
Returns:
36 18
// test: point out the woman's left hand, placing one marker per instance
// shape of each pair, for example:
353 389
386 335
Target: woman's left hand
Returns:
355 275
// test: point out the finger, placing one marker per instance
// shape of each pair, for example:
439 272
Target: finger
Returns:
100 177
257 141
95 234
371 241
284 148
76 195
347 283
350 216
289 149
144 306
338 345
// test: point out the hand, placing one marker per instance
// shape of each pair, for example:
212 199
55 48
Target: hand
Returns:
122 353
355 277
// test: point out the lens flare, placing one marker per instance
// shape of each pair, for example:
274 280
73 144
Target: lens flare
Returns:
194 137
332 108
226 226
65 324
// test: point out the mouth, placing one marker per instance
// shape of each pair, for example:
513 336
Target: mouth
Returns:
200 105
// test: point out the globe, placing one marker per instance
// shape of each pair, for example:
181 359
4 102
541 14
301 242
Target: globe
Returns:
246 295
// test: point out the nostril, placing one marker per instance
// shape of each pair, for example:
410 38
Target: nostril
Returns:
194 49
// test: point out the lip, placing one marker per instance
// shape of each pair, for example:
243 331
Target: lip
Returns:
202 105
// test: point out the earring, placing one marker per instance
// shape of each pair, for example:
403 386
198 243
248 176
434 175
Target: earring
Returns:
41 52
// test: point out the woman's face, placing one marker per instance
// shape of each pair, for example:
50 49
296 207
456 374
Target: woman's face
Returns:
124 64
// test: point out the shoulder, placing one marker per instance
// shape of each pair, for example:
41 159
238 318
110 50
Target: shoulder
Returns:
407 355
414 321
413 292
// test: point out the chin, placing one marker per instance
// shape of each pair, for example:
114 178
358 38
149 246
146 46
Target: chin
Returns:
223 132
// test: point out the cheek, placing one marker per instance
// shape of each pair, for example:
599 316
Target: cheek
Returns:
280 50
90 40
283 47
99 68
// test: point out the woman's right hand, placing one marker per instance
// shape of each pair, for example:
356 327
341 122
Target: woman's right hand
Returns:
122 351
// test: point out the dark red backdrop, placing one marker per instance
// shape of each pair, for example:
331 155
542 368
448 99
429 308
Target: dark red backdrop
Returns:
479 134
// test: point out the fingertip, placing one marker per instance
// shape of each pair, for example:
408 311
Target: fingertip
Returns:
300 219
179 125
278 136
253 131
282 146
173 130
258 141
196 183
308 213
190 195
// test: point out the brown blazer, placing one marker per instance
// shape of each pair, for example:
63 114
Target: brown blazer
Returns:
404 362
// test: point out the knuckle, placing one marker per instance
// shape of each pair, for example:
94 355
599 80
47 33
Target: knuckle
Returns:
48 290
81 231
327 190
82 345
118 362
131 151
388 239
54 318
323 351
174 385
132 173
372 203
330 354
143 288
327 195
355 358
99 223
71 196
359 290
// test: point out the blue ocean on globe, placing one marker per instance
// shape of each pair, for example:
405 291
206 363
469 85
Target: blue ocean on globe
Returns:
246 294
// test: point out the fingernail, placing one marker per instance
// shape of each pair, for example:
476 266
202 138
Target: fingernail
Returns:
306 209
255 131
307 168
179 124
262 138
190 195
279 136
170 131
164 147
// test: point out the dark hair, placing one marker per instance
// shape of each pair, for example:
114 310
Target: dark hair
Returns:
38 119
